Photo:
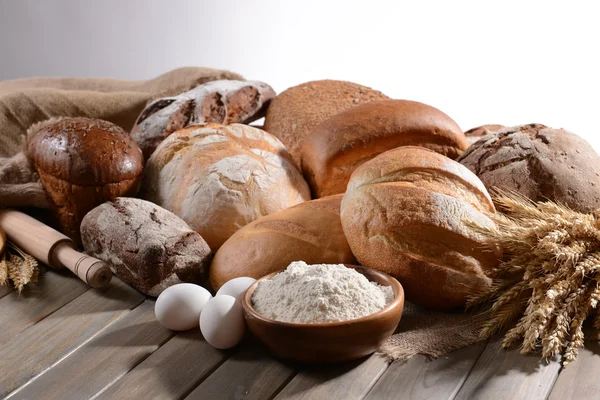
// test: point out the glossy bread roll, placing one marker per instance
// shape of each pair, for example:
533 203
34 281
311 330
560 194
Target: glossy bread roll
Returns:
311 232
339 145
405 213
82 163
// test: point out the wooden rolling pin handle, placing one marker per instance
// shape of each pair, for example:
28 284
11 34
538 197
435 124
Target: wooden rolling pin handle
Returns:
90 270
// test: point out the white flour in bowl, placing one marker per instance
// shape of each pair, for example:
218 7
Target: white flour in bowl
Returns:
319 293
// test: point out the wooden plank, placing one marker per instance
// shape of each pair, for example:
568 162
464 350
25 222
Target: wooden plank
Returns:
419 378
249 373
37 301
171 372
344 381
579 380
45 343
500 374
102 360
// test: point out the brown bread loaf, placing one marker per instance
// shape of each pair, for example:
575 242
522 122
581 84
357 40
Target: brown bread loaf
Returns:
540 163
219 178
223 101
310 232
145 245
405 213
82 163
474 134
295 112
335 148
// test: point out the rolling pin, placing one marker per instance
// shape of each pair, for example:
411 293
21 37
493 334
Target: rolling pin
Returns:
52 247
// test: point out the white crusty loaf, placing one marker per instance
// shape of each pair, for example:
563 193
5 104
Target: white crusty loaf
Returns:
220 178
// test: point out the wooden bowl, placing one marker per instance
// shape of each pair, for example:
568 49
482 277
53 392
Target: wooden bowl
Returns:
328 342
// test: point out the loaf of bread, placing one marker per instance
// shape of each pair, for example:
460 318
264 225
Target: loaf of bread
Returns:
335 148
223 101
82 163
540 163
474 134
310 232
145 245
297 111
407 212
220 178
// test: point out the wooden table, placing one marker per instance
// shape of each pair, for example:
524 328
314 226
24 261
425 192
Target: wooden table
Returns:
61 340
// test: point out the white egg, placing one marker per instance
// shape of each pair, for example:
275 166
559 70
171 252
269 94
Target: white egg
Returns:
236 287
179 306
222 322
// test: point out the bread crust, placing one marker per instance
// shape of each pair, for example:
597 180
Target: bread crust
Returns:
220 178
294 113
82 163
406 213
310 232
335 148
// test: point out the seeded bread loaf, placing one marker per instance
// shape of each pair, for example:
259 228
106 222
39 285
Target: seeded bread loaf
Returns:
540 163
298 110
82 163
335 148
223 101
406 213
310 232
145 245
220 178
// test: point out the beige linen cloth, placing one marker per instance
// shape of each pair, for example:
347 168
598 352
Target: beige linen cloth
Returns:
24 102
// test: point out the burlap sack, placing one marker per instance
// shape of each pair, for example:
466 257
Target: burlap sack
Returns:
24 102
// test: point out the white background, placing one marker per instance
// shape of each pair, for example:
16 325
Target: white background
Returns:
507 62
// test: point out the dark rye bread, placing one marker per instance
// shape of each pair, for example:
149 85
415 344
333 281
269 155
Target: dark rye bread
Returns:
540 163
145 245
405 213
82 163
335 148
474 134
223 101
298 110
310 232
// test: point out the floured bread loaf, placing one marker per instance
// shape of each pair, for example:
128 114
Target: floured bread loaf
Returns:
310 232
224 102
220 178
474 134
295 112
405 213
145 245
339 145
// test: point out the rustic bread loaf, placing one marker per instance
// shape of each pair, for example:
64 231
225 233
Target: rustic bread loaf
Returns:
220 178
406 213
224 102
82 163
2 241
145 245
540 163
297 111
335 148
474 134
311 232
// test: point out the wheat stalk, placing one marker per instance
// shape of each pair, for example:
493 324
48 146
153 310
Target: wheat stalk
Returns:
18 267
548 282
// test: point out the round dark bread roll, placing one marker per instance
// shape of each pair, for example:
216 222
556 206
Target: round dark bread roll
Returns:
295 112
474 134
335 148
540 163
145 245
82 163
405 213
310 231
